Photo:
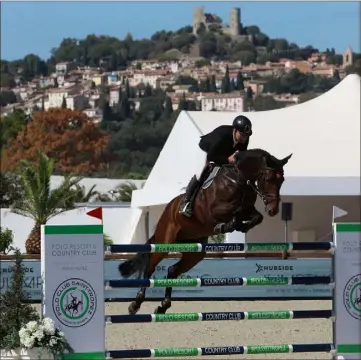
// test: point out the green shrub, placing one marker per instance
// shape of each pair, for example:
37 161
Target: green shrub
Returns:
15 309
107 240
6 240
217 238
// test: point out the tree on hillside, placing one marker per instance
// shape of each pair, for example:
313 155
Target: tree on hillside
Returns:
246 57
205 86
248 100
11 125
7 80
186 80
40 203
240 81
63 104
168 107
252 30
183 103
7 97
107 112
148 91
226 82
72 139
213 84
265 103
355 68
11 189
307 97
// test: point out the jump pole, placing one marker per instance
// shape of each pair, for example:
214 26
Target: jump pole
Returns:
72 262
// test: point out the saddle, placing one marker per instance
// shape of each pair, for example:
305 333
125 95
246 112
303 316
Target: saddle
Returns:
213 174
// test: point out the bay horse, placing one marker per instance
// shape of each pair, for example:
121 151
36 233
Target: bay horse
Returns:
230 197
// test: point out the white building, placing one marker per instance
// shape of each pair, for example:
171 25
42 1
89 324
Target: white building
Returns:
56 96
324 136
223 102
147 77
114 96
113 80
62 67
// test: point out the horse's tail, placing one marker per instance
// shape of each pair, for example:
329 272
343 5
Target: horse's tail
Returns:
136 264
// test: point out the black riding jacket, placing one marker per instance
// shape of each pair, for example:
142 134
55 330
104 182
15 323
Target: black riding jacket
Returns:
219 144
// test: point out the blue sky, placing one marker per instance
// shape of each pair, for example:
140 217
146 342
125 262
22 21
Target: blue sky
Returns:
36 27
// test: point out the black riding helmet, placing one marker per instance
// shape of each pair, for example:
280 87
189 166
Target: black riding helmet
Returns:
243 125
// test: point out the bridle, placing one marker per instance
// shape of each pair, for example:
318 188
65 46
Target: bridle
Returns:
267 198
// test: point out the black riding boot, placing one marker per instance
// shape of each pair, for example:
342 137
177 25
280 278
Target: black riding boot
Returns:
186 207
224 228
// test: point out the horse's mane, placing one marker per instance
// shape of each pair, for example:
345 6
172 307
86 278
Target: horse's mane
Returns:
260 152
270 159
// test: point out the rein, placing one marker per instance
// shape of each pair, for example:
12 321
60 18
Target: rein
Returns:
266 198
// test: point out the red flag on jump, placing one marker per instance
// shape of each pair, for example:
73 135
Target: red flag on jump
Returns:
97 213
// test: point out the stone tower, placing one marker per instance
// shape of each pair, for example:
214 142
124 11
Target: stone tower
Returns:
198 18
347 57
235 22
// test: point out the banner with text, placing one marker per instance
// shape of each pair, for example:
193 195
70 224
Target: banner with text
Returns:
208 268
348 290
73 290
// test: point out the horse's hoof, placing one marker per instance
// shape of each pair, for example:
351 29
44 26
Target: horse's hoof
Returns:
159 310
133 309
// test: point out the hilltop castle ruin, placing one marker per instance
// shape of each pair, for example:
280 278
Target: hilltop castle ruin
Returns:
234 29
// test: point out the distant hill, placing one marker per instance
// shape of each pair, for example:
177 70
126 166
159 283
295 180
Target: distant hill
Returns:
113 53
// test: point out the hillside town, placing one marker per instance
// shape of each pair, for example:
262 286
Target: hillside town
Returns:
179 72
133 90
80 87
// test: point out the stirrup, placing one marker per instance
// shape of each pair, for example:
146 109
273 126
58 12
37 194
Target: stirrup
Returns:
186 209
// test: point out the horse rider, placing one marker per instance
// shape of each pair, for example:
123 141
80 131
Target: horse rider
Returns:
221 146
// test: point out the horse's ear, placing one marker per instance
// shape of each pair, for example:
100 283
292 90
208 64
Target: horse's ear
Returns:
285 160
241 157
264 161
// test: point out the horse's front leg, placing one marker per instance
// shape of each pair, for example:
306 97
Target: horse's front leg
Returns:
243 221
228 227
253 218
187 262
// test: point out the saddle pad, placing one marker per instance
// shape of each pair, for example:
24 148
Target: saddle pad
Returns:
211 177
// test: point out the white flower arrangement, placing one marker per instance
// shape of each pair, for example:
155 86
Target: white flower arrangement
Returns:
44 334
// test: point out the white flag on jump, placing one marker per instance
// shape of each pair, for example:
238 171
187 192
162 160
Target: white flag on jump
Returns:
337 212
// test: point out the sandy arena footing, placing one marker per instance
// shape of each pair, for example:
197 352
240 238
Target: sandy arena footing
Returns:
223 333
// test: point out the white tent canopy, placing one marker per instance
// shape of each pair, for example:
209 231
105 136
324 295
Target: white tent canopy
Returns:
323 134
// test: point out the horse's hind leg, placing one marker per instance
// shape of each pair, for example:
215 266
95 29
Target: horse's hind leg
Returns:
187 262
154 260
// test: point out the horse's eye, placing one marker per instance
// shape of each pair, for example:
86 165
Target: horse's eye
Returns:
278 175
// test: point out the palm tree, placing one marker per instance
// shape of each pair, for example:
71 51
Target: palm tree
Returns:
121 193
81 195
40 203
104 198
124 191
